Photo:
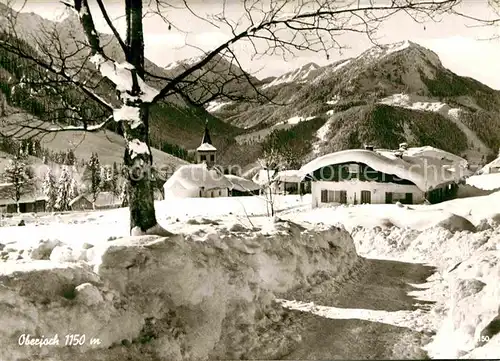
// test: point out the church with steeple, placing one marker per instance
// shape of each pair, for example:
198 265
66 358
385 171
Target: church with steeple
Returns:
206 152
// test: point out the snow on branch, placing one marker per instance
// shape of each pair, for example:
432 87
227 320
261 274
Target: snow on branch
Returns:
121 75
128 113
136 148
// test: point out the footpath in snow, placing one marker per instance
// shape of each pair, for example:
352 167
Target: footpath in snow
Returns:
461 239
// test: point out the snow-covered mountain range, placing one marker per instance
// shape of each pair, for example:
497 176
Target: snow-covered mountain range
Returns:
386 95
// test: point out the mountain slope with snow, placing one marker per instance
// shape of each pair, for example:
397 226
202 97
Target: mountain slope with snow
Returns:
354 96
300 75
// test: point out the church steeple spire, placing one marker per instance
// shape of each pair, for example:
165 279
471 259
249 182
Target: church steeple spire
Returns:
206 152
206 135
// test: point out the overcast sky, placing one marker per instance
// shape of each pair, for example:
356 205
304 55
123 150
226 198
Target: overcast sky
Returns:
462 48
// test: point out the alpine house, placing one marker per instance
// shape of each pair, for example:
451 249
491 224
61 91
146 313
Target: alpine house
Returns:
407 175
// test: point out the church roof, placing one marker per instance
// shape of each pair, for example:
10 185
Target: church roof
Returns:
206 147
206 142
206 136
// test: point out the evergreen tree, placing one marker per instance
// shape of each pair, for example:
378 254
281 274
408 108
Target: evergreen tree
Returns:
124 194
73 188
16 173
93 176
115 174
66 190
106 178
70 157
50 190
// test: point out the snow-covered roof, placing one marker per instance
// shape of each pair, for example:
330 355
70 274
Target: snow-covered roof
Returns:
103 199
206 147
263 176
242 184
289 176
76 199
196 176
426 173
442 155
107 199
488 167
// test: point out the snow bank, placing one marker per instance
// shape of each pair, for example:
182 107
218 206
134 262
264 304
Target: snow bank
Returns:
473 316
466 287
488 181
204 294
417 217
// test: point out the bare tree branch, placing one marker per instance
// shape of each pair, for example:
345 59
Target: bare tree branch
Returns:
111 26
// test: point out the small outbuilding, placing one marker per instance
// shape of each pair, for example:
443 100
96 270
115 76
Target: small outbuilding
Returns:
31 200
242 186
290 182
104 200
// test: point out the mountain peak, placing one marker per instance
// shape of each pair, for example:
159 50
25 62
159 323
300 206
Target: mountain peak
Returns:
299 75
406 48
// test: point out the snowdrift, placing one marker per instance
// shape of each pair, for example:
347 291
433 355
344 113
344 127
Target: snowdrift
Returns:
465 288
205 294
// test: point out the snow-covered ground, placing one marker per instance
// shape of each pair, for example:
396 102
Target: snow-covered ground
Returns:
487 181
321 135
297 120
78 228
461 238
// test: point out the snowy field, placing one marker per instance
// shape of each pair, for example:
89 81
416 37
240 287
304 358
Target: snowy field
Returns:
179 215
461 238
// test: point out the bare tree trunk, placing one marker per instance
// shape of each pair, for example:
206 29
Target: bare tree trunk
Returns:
139 164
271 205
138 158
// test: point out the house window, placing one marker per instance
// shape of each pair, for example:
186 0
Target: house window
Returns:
393 197
328 196
203 157
220 193
366 197
212 158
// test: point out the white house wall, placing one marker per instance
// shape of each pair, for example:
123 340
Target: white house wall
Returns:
354 188
215 193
